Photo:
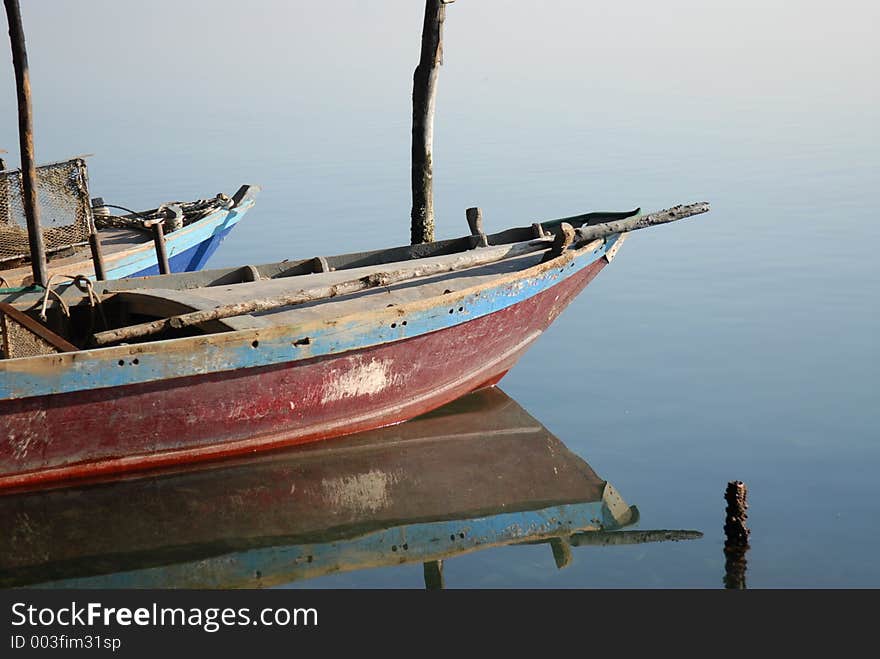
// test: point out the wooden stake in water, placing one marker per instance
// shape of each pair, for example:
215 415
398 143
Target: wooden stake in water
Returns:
736 542
424 102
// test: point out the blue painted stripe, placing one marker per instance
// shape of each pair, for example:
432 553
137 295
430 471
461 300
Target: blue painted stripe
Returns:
115 367
401 544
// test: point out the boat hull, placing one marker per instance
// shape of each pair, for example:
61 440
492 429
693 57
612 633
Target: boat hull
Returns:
153 424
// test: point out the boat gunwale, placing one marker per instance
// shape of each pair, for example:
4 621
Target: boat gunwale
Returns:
46 368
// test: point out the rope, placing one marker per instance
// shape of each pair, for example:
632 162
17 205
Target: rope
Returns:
50 290
95 301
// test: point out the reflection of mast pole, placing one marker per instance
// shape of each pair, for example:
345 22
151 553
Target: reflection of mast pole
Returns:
736 533
434 575
26 139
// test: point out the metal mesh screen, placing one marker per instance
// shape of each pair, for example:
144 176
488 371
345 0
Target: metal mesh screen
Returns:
19 341
24 336
63 193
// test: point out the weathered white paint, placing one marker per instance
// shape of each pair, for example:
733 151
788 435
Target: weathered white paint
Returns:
20 442
366 492
611 252
361 379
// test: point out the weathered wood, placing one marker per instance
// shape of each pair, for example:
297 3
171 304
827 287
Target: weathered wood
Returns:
561 242
735 531
593 217
26 141
736 536
320 264
159 242
95 239
475 222
424 104
250 273
386 278
97 253
587 233
561 551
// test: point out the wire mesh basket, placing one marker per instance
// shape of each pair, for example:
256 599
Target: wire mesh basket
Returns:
22 336
63 194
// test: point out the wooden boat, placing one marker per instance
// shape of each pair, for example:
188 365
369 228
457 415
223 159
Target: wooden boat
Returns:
201 365
191 232
478 473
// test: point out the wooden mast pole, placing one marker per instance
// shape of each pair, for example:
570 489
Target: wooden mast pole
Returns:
26 140
424 103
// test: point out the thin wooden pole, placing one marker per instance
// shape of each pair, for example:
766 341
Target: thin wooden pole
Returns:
424 104
94 238
159 243
589 233
26 140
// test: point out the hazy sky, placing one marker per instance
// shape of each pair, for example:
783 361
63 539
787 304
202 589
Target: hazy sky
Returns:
103 59
211 91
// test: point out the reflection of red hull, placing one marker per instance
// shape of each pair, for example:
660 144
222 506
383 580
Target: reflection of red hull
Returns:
477 473
200 417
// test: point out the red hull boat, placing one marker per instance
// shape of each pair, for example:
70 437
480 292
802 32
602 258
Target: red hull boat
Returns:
201 365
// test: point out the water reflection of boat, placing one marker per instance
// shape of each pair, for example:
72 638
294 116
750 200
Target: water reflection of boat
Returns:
478 473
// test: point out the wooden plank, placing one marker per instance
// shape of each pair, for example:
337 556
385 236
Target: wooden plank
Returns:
376 279
159 302
278 270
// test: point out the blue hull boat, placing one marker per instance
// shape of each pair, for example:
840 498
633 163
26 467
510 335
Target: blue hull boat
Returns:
192 230
189 248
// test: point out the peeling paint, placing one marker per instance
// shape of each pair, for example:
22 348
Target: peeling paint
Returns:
21 442
361 379
360 493
376 386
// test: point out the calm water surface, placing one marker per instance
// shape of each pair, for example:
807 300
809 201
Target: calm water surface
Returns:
742 344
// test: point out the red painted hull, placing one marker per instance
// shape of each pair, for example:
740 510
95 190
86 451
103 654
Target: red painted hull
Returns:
142 426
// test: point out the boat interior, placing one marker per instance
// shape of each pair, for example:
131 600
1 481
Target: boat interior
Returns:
76 310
